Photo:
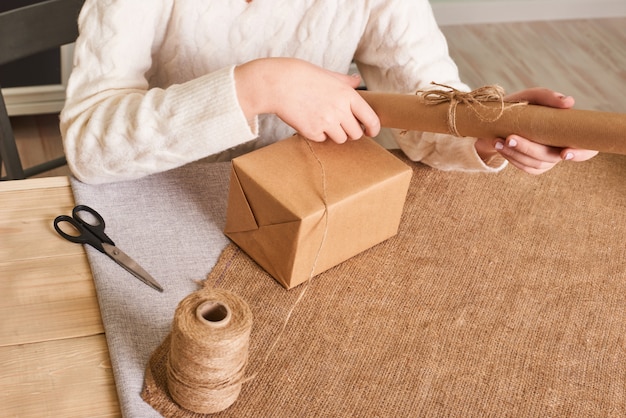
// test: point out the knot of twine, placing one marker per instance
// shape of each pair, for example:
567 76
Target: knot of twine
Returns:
474 100
208 351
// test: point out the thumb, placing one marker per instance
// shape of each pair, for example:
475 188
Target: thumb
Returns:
353 80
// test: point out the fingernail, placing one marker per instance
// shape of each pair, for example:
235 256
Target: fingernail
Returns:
569 156
499 146
512 142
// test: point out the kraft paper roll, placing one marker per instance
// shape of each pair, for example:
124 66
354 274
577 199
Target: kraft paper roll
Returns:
585 129
208 350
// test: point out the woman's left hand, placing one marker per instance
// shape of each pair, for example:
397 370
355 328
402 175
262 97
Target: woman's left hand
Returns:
523 153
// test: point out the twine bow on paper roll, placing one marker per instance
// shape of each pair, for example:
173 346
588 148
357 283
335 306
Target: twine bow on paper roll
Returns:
483 113
475 101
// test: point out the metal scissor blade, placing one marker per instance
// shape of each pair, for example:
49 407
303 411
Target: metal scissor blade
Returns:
131 266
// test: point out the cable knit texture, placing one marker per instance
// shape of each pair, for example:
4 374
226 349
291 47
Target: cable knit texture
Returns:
153 85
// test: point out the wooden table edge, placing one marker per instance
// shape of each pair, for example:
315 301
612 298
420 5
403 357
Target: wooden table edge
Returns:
35 183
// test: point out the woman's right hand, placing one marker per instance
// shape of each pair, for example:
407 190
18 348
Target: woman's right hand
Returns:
319 104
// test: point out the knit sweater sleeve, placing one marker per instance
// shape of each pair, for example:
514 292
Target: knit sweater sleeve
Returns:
115 126
404 50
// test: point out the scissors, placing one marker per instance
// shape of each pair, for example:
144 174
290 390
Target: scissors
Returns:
92 232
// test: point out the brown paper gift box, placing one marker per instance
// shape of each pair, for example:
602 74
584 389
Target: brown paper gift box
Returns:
277 212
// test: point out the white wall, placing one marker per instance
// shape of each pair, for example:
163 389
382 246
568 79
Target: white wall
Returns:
454 12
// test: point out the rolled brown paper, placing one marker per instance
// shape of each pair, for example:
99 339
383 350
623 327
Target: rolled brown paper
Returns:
585 129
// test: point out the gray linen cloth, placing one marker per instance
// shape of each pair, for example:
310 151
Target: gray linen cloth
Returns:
171 224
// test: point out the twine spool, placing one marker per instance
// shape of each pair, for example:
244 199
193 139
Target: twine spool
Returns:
208 350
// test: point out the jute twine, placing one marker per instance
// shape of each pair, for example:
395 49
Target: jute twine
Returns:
208 351
305 286
474 100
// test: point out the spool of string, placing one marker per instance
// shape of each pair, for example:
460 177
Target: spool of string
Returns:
208 350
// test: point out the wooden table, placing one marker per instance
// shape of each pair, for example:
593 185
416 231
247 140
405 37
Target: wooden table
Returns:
54 359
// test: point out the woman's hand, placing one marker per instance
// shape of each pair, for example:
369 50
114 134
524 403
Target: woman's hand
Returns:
316 102
525 154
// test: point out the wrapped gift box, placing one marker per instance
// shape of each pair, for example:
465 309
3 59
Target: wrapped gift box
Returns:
299 208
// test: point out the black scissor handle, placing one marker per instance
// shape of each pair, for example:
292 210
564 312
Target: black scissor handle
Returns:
83 235
97 227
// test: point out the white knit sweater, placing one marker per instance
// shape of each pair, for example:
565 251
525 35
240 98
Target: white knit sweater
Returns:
152 86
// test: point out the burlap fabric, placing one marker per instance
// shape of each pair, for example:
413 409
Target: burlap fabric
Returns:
502 295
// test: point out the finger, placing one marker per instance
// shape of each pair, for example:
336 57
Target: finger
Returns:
572 154
528 156
337 134
520 147
352 128
542 96
353 80
315 137
529 169
528 164
524 162
363 112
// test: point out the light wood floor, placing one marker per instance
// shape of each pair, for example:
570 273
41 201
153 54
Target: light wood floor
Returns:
583 58
38 140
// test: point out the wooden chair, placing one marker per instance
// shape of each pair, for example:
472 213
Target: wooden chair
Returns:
24 32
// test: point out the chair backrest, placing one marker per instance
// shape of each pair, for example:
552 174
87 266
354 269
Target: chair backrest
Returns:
37 28
23 32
